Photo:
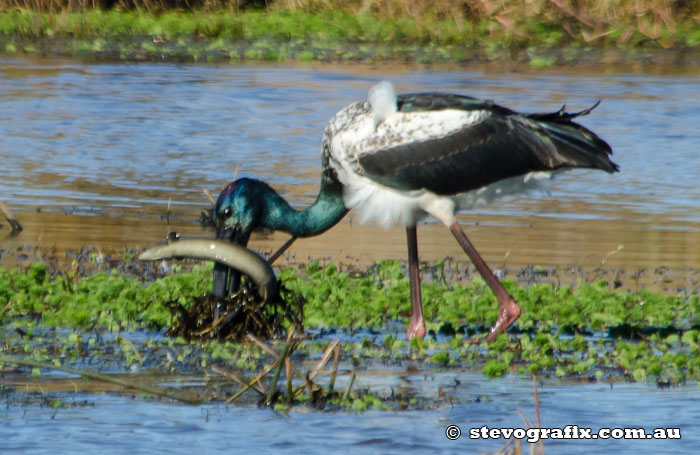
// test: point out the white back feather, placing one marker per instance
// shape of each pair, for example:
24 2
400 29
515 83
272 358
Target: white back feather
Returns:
382 100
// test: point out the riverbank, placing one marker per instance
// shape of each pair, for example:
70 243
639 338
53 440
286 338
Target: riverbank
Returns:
336 36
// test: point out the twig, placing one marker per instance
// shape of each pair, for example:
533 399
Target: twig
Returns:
588 37
273 385
578 15
334 347
225 318
207 193
160 391
269 350
522 416
308 383
233 377
336 360
288 372
615 251
252 382
536 396
262 345
347 390
16 228
326 356
9 304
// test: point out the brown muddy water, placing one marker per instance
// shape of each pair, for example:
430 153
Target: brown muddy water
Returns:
92 154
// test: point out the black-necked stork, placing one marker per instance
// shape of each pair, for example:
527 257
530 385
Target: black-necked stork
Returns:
398 158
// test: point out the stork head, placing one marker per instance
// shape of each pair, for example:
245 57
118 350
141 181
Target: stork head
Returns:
238 210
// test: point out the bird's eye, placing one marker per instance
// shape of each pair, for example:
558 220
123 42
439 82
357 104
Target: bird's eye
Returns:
228 212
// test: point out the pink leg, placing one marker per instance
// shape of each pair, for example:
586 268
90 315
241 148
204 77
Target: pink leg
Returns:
509 308
416 325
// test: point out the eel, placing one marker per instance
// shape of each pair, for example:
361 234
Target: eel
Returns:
234 256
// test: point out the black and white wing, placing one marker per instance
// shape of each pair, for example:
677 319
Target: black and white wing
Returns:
451 144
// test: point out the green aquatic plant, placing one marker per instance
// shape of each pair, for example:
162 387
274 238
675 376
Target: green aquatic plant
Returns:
108 300
587 331
334 298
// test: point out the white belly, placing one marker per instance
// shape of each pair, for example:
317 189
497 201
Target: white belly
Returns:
372 202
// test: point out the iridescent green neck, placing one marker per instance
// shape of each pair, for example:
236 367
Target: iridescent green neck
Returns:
323 214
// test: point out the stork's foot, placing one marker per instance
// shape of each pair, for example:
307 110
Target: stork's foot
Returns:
416 328
508 314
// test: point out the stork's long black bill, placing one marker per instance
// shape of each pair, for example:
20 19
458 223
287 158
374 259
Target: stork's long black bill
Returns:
220 288
226 280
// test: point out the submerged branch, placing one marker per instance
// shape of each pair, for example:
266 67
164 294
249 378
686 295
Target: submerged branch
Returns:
160 391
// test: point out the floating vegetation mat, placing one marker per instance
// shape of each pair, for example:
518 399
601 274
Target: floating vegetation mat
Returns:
242 314
114 323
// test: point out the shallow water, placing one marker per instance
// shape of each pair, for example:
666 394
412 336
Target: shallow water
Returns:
114 424
92 153
99 417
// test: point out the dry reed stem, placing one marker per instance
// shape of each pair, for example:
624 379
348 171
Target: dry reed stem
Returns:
285 353
207 193
262 345
250 383
334 373
326 356
227 374
333 349
8 305
349 387
270 351
277 365
288 372
536 396
514 446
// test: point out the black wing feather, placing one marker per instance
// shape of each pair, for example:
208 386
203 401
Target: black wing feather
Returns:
504 144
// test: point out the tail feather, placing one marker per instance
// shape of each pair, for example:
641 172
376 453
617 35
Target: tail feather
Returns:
561 114
575 144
